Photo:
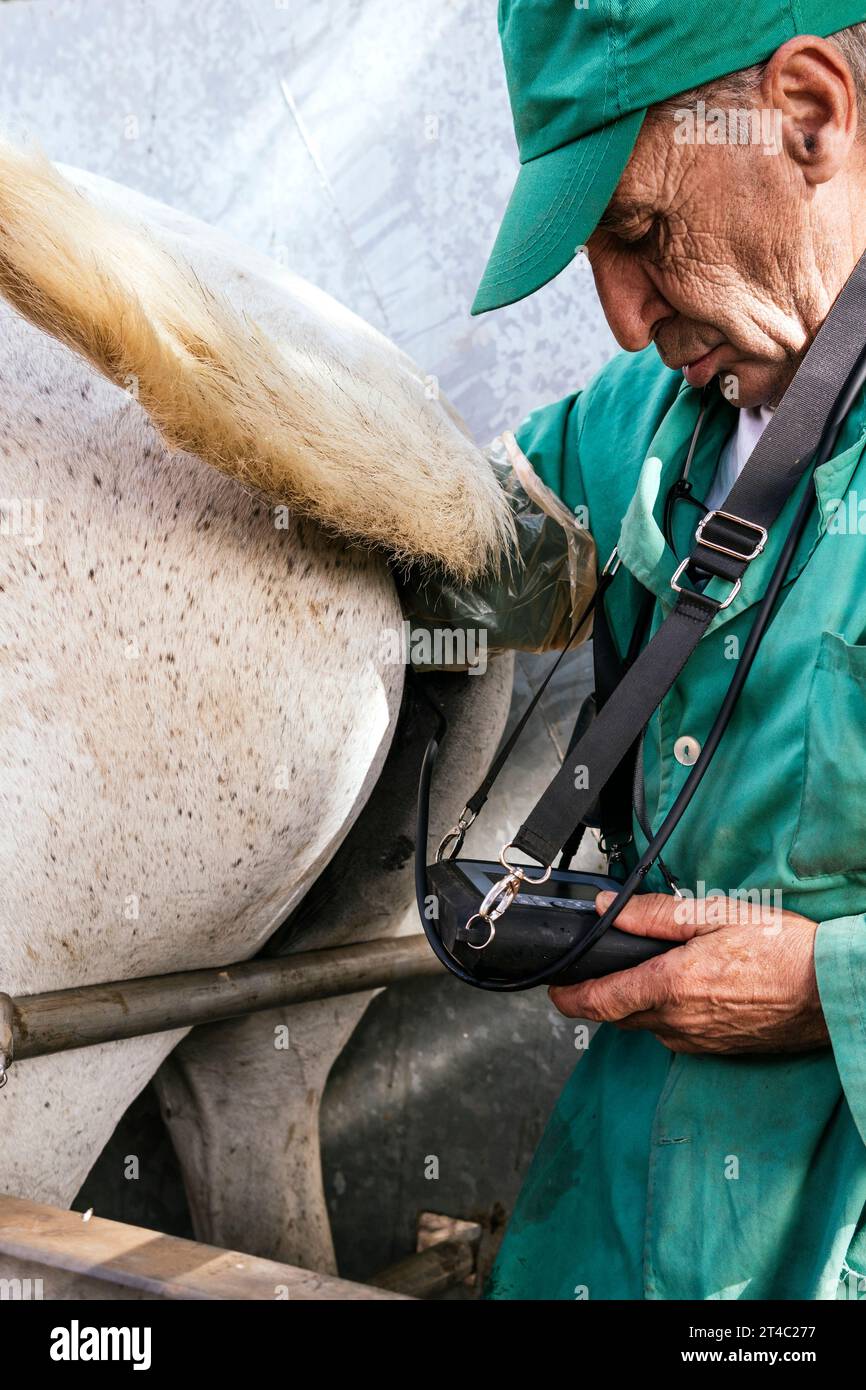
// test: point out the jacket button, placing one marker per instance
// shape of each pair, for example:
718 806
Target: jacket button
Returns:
686 750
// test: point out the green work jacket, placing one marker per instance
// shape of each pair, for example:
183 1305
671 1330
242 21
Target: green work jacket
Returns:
666 1176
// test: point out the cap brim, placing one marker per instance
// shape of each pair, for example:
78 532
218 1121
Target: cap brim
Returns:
556 205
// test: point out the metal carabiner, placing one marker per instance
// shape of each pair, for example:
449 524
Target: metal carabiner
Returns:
456 835
496 901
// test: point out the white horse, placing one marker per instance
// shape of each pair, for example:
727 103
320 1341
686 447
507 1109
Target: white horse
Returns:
196 698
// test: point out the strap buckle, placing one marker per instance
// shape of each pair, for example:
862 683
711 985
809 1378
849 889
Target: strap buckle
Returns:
744 556
759 531
678 588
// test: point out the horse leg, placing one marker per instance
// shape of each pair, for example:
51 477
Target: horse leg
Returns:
241 1099
242 1105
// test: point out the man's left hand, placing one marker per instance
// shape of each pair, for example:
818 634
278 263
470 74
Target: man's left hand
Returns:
742 981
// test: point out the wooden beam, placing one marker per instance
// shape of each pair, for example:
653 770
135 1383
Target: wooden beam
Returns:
430 1272
446 1255
70 1018
43 1240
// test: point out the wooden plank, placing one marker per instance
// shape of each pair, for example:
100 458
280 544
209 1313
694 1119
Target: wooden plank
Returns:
155 1265
69 1018
447 1253
430 1272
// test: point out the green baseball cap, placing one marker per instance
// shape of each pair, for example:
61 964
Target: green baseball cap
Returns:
581 75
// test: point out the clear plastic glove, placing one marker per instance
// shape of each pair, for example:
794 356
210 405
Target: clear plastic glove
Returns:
530 605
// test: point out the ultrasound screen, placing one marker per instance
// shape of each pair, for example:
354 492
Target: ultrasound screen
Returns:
564 892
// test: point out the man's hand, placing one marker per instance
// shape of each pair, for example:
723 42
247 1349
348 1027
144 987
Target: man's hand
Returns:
743 981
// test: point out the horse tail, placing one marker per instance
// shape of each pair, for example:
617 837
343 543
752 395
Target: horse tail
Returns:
333 421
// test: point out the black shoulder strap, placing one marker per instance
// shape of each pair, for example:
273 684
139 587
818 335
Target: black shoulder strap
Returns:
726 541
613 811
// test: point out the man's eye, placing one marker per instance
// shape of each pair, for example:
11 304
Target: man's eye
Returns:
646 242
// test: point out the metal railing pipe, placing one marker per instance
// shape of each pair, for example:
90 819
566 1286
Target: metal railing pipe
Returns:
68 1018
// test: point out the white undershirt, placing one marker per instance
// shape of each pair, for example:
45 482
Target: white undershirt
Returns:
750 426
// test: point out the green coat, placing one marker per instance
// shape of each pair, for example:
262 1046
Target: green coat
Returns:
674 1176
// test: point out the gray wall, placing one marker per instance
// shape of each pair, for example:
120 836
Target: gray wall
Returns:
366 143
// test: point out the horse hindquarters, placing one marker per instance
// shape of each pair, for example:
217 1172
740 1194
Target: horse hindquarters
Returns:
195 709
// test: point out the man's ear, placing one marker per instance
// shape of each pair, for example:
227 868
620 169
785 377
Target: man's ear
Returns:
810 84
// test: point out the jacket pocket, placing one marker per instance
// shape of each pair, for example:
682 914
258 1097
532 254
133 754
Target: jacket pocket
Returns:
830 835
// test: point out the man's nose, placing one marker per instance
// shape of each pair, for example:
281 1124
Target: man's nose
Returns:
632 304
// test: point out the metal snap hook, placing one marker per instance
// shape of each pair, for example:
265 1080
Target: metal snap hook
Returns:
500 897
497 901
477 917
521 868
456 835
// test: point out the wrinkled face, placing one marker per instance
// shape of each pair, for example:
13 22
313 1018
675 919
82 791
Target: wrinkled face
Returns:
725 256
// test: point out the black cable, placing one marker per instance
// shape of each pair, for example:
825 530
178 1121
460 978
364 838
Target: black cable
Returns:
852 388
854 385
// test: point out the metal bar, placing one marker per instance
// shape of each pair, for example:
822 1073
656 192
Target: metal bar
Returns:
71 1018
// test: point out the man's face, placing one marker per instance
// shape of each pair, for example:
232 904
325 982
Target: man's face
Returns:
719 255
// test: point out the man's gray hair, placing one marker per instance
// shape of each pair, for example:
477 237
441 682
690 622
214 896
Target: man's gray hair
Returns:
740 87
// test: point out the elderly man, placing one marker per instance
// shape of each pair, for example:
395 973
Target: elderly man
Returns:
712 1143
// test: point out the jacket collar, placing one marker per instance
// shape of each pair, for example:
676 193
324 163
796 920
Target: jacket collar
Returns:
642 546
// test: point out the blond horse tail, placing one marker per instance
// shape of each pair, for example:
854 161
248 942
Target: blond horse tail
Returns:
334 421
